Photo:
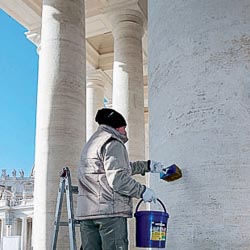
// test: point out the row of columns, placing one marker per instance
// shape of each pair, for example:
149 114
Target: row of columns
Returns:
62 105
24 231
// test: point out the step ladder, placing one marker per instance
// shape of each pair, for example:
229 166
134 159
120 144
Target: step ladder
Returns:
66 187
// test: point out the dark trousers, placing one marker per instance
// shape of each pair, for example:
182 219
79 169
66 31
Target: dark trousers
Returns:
104 234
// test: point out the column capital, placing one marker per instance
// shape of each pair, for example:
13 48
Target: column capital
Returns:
114 6
98 78
97 75
123 13
128 23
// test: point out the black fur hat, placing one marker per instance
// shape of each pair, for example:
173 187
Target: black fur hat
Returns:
110 117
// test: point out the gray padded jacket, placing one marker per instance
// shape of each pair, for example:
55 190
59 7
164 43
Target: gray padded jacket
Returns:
106 187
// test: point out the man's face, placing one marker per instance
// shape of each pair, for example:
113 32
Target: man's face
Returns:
122 130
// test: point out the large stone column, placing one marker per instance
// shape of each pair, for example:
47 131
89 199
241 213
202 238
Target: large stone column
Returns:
29 234
14 227
128 87
95 98
128 96
199 102
60 131
2 228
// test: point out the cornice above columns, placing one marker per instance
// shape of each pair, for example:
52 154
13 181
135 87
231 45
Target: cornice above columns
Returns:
96 60
24 12
34 36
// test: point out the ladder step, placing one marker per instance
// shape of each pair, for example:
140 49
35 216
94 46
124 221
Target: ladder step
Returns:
63 223
74 189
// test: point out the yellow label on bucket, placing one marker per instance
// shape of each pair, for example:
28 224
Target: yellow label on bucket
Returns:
158 231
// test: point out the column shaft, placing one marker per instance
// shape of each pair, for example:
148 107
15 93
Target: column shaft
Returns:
2 228
128 86
95 99
14 227
61 114
128 95
24 234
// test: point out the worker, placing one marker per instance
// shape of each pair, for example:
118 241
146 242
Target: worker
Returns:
106 186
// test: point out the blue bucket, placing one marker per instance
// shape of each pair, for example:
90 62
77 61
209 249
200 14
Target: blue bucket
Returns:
151 227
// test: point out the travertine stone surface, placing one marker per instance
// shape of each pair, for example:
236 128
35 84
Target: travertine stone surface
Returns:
60 111
199 112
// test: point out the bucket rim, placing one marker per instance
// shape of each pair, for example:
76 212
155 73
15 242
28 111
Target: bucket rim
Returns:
139 203
147 212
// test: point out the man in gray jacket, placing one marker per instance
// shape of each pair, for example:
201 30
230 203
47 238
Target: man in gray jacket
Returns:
106 186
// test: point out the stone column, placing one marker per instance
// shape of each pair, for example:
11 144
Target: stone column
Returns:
2 228
128 86
60 131
128 97
29 234
199 102
14 227
24 234
95 98
8 230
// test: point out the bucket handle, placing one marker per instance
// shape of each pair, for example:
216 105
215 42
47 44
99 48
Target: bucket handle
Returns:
139 203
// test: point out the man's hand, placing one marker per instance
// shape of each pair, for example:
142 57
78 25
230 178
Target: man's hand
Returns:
156 167
149 195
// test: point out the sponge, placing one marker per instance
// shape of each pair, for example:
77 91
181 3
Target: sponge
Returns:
171 173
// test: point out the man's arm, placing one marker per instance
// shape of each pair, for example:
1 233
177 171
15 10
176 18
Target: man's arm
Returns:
140 167
116 162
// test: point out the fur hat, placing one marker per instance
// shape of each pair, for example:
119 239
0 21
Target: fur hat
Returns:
110 117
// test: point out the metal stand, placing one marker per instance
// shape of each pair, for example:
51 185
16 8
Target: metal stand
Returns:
65 187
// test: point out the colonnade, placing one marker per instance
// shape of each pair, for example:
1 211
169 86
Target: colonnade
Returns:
66 97
19 227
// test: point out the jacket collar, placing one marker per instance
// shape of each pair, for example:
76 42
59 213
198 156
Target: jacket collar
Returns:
114 132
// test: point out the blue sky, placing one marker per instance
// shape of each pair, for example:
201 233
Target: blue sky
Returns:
18 90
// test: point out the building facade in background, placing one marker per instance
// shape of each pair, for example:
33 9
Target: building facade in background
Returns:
16 210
